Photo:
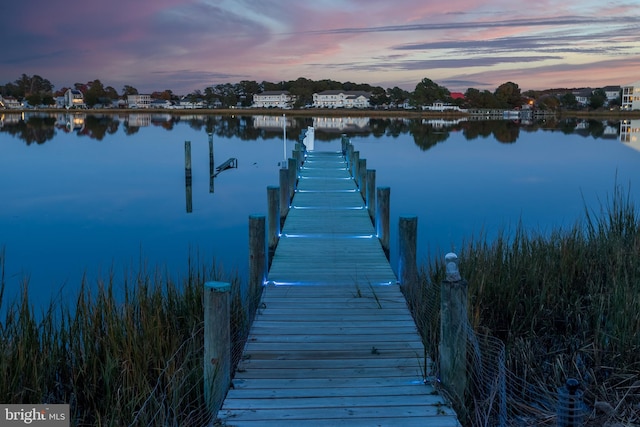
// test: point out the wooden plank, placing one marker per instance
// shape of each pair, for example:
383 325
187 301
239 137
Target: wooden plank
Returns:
285 392
296 402
440 421
328 413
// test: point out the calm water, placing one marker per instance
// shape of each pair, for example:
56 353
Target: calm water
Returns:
89 195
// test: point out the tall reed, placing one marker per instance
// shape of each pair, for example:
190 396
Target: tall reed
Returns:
124 352
565 303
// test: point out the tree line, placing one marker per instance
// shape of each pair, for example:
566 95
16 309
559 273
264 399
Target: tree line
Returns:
38 91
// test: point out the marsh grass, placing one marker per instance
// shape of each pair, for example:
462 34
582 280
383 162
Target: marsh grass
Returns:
566 303
121 353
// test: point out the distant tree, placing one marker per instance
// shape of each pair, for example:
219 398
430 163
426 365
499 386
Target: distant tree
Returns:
508 95
474 98
82 87
569 101
95 93
378 96
598 99
168 95
397 96
548 103
245 90
427 92
129 90
34 99
31 88
111 93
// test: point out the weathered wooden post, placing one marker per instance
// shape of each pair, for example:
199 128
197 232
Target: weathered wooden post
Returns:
349 154
293 176
217 344
407 248
187 176
273 204
344 140
362 178
211 164
354 165
257 260
382 217
371 194
452 348
284 194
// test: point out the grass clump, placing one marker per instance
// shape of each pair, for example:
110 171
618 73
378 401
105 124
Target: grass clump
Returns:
128 353
565 304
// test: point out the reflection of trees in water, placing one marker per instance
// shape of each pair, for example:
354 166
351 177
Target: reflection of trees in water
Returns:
41 128
96 127
36 129
426 136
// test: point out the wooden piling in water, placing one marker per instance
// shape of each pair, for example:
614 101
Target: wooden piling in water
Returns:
257 260
382 217
212 169
217 344
187 176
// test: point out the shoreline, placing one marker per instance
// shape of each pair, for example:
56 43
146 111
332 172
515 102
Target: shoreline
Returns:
310 112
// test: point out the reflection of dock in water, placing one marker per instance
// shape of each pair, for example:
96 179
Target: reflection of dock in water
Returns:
231 163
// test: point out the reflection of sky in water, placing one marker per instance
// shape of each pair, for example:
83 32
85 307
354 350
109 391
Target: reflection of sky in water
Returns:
75 204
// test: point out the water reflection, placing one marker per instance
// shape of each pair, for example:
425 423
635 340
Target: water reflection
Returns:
39 127
111 190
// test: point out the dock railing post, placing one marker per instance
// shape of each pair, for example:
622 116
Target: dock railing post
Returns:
293 176
257 261
382 217
354 165
362 178
349 154
452 348
370 198
407 248
284 194
273 204
217 344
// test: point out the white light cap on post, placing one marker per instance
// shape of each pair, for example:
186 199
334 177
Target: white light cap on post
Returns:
451 264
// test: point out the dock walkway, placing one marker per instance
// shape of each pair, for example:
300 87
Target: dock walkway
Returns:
333 343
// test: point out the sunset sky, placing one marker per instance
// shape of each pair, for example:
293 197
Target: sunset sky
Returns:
184 45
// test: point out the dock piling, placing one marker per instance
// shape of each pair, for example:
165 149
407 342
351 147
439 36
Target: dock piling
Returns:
217 343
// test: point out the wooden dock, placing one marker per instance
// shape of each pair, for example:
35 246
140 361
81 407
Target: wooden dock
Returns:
333 342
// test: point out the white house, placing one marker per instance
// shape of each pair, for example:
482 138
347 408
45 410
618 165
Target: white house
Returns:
631 96
73 98
583 95
139 101
341 99
612 93
273 99
9 102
